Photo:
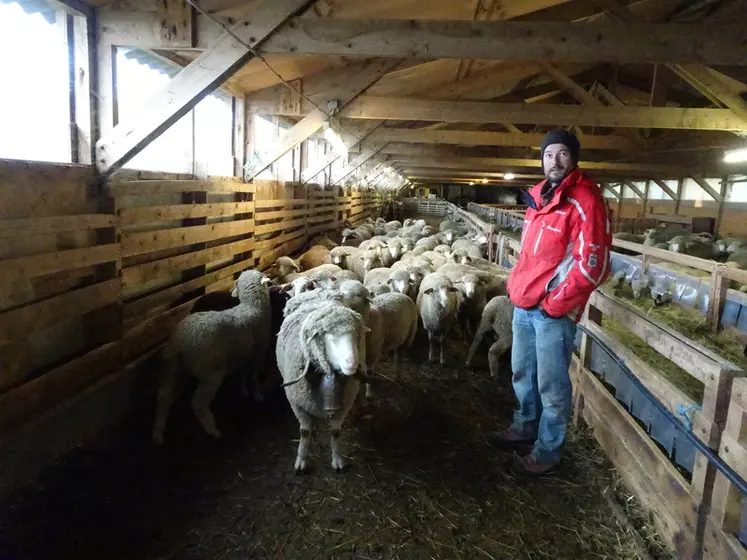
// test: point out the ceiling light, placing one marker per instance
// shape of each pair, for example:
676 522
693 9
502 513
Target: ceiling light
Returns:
484 180
471 183
736 156
509 176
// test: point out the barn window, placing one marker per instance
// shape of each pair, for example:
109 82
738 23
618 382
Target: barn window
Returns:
35 99
200 142
264 132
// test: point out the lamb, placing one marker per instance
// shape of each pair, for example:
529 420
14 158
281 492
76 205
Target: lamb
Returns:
640 286
210 344
284 267
416 273
471 302
319 353
437 304
399 281
315 256
497 316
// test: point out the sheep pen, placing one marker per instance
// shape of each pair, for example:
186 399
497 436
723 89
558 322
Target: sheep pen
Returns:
422 482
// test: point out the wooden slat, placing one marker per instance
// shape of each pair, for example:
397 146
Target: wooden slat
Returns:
29 400
322 218
151 241
267 244
138 274
670 256
55 224
260 216
168 295
133 188
149 214
269 228
25 268
20 322
153 331
276 202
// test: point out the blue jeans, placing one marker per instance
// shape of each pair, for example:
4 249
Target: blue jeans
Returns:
540 358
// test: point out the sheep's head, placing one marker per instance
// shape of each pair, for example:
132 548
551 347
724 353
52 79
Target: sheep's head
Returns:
355 295
348 233
301 285
400 281
285 266
324 278
470 283
395 246
250 282
443 293
332 335
408 222
370 260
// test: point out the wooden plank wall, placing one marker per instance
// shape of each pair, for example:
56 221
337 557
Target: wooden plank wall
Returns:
93 278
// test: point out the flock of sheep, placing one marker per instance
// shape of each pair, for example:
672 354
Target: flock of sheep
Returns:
334 313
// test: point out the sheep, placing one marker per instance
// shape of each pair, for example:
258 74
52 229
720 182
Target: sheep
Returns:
315 256
215 301
428 243
324 241
380 290
467 246
301 285
399 281
341 276
396 247
319 353
364 261
471 302
497 316
495 283
437 260
284 267
371 244
448 224
632 237
394 225
399 316
437 304
376 277
443 249
428 231
341 256
618 279
210 344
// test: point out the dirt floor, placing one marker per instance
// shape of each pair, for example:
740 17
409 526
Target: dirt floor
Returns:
421 483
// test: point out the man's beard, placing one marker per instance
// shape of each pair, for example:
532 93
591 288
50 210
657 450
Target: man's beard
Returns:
556 175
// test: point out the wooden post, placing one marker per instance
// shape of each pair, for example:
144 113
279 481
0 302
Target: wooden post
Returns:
645 198
717 297
592 315
720 213
619 206
680 185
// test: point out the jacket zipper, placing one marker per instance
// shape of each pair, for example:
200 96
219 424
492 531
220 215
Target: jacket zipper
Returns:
536 243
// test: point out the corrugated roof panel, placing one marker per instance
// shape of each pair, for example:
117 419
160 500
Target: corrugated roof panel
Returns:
41 7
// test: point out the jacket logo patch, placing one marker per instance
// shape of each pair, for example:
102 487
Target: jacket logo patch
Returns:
592 260
558 230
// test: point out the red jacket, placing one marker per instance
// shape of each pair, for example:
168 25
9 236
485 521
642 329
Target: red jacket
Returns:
565 248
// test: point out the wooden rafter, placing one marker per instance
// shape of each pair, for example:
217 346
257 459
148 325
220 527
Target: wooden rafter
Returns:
635 189
190 85
663 186
707 188
369 152
482 138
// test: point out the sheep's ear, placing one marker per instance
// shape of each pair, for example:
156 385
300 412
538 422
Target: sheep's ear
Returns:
452 289
390 281
296 267
468 259
366 330
333 278
429 291
265 280
286 287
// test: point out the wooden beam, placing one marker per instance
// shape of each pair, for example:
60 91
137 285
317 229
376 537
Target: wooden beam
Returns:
610 189
663 186
482 112
635 189
514 40
480 138
708 83
680 43
363 157
442 159
343 94
193 83
708 188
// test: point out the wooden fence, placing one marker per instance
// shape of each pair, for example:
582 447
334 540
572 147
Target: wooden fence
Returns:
93 278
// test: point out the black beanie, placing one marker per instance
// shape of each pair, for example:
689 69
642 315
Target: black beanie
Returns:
560 136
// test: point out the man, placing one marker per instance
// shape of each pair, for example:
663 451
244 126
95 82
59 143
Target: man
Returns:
565 253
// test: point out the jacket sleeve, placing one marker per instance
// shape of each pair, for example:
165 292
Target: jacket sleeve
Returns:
591 253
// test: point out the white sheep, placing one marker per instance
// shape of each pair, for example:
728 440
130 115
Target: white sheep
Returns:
376 278
462 245
399 316
472 300
437 304
497 316
318 354
364 261
341 256
211 344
